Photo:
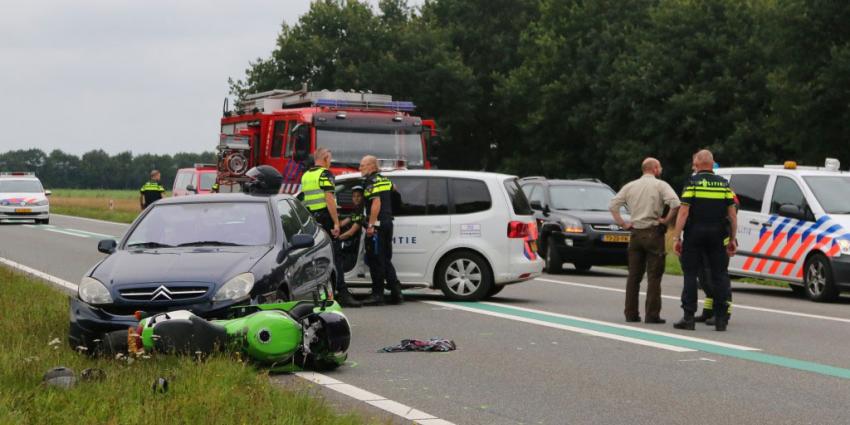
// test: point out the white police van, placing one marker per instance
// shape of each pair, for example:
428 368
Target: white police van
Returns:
794 226
466 233
23 198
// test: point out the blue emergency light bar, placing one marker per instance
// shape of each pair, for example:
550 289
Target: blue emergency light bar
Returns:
401 105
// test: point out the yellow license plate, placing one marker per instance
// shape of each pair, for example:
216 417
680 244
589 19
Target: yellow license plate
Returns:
23 210
615 238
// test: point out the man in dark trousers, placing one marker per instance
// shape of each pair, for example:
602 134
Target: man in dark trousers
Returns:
318 187
707 204
379 232
151 191
646 199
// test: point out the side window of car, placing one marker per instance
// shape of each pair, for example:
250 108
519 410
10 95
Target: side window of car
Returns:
470 196
787 192
438 196
307 222
289 219
412 194
750 189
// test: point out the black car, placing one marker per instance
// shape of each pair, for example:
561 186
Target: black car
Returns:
575 224
205 254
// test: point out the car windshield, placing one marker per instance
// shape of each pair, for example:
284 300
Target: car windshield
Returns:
207 180
580 197
348 146
212 223
832 192
20 186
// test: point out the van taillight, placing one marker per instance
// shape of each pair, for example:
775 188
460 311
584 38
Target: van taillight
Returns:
520 230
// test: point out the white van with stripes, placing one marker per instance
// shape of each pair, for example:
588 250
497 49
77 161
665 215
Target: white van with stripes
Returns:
793 226
463 232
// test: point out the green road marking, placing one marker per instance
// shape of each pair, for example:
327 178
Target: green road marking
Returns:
754 356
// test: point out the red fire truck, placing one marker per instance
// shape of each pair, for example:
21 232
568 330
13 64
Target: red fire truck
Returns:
282 128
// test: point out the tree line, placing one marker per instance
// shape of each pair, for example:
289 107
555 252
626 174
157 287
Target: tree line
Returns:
97 169
568 88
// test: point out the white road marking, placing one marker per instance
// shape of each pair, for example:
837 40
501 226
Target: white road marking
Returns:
734 306
69 231
94 220
394 407
564 327
64 284
631 328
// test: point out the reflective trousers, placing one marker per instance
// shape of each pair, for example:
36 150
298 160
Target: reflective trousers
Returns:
705 240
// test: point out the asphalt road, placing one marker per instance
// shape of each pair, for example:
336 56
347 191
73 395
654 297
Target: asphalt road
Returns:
556 350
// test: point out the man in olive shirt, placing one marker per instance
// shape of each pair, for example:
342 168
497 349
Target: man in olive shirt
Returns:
645 198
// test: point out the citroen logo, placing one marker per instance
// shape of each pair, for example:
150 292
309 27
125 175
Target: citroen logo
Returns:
23 203
161 292
614 227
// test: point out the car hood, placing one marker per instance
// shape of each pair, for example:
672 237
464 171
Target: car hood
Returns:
21 199
208 265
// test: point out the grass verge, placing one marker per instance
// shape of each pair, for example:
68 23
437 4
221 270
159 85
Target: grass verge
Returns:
111 205
216 391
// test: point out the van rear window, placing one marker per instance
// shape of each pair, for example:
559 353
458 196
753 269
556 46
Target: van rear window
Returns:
517 197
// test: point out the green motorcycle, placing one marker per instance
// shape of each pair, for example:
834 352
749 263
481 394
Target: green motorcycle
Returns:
284 337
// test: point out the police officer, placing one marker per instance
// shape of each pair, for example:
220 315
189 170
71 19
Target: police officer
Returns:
707 202
379 232
151 191
318 187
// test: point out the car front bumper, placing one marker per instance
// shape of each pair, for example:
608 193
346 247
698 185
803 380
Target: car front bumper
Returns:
28 212
589 248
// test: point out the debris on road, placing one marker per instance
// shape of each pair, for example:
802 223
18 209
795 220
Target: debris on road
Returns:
60 377
433 344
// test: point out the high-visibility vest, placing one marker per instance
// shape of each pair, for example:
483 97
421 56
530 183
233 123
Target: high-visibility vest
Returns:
313 187
152 186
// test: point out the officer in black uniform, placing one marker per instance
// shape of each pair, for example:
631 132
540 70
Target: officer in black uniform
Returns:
707 202
379 232
151 191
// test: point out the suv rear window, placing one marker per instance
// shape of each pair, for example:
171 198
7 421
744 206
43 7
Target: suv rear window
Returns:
470 196
517 197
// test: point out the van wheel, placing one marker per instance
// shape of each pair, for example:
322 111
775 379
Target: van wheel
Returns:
494 290
583 267
464 276
554 262
818 279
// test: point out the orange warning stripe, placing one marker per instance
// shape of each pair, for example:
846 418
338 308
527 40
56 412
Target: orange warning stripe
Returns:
798 254
818 245
764 238
784 252
773 246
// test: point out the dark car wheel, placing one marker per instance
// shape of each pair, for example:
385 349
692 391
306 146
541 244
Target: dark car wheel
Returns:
819 280
464 275
582 267
554 262
494 290
798 290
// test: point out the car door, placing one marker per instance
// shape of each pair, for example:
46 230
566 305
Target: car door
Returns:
298 266
421 224
792 234
754 224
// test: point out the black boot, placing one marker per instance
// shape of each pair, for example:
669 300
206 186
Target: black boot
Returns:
374 300
395 294
686 322
345 299
705 316
720 324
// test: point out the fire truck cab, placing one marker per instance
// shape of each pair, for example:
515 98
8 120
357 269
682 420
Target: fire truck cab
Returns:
282 128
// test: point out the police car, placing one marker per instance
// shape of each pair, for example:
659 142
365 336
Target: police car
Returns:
23 198
466 233
794 226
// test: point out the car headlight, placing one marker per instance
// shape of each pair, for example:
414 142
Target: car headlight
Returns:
91 291
235 288
41 203
572 226
844 244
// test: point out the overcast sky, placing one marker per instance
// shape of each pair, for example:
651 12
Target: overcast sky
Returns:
140 75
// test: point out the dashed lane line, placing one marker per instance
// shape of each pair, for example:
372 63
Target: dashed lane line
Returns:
670 297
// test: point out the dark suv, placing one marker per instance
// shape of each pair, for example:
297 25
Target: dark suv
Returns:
205 254
575 224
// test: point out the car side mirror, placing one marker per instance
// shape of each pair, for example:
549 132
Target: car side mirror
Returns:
298 241
537 205
47 193
792 211
191 188
107 246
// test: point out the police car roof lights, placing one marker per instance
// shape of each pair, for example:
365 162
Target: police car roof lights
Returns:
830 164
17 174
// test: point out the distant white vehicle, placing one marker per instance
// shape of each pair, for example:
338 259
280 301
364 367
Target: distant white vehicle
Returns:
466 233
22 197
794 226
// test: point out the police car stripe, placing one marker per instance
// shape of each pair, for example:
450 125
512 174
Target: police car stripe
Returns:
784 253
778 237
